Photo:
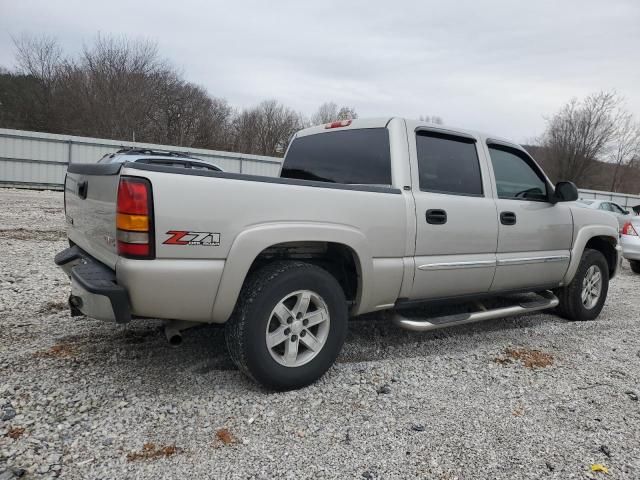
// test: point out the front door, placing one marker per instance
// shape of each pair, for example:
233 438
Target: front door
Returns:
534 235
457 227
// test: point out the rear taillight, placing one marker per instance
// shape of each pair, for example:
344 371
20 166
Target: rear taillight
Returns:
134 218
628 229
338 124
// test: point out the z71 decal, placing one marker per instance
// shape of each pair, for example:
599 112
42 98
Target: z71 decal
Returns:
183 237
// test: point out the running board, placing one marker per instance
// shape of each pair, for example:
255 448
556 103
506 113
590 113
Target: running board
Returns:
548 300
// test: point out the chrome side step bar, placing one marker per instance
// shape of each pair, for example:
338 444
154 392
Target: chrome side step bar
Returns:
547 300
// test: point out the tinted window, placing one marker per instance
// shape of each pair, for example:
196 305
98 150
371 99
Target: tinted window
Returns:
202 166
605 206
448 164
348 156
515 177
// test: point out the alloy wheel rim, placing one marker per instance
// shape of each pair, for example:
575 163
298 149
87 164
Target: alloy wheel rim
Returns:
591 287
298 328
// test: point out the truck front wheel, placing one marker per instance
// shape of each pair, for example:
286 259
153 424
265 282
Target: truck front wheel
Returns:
289 325
584 297
635 266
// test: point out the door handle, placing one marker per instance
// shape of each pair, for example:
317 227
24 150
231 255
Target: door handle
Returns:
507 218
436 216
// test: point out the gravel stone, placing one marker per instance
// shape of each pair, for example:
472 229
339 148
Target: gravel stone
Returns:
107 390
384 389
8 414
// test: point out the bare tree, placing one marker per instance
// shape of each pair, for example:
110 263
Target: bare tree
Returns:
275 126
347 113
40 57
580 134
626 146
329 112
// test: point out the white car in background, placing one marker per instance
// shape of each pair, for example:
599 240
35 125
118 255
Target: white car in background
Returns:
630 242
620 213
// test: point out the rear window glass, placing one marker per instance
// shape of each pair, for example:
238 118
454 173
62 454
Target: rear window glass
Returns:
349 156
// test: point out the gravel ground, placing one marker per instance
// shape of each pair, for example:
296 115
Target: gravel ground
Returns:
529 397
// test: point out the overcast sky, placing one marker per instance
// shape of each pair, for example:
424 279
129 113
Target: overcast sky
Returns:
496 66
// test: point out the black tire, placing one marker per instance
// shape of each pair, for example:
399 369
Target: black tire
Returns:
571 306
635 266
245 331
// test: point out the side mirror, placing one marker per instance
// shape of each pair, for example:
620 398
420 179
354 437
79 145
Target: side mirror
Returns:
565 192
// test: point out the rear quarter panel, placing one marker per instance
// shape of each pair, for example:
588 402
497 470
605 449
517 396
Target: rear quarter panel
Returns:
248 216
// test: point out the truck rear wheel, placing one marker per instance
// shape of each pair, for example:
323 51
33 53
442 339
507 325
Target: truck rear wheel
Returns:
584 297
289 325
635 265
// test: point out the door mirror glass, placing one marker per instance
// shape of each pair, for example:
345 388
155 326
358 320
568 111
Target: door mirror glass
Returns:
566 192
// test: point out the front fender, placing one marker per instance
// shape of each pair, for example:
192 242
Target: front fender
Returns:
251 242
583 235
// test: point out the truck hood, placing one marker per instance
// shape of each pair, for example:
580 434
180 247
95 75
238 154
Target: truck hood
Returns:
583 217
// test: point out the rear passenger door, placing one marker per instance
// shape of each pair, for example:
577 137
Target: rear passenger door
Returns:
535 235
457 228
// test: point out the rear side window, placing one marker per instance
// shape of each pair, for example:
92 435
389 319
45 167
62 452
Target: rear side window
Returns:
448 164
616 209
515 177
349 156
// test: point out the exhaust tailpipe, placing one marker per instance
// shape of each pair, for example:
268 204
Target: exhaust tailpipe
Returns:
173 331
174 337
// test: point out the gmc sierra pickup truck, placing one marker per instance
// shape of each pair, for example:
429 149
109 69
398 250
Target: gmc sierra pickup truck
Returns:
366 215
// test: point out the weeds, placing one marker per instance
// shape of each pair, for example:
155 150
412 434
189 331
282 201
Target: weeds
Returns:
530 358
151 451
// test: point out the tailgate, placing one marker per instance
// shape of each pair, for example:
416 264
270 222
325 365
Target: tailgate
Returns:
90 195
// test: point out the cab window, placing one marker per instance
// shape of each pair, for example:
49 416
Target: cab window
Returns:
516 178
448 164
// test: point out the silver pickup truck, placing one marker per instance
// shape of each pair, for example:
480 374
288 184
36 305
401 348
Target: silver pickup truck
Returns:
367 215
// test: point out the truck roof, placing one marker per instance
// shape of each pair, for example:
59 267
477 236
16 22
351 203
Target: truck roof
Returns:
381 122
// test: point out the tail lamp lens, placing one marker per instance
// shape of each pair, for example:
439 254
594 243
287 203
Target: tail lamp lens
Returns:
628 229
134 219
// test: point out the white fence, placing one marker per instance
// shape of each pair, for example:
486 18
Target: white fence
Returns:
39 160
622 199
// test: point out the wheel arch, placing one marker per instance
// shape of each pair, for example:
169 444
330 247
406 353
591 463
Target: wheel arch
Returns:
256 245
602 238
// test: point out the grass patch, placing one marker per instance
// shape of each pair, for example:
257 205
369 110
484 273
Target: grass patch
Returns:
225 437
15 432
62 350
151 451
528 357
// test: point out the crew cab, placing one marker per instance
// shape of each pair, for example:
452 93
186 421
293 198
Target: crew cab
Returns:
367 215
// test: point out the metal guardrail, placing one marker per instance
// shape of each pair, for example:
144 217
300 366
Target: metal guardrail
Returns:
622 199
